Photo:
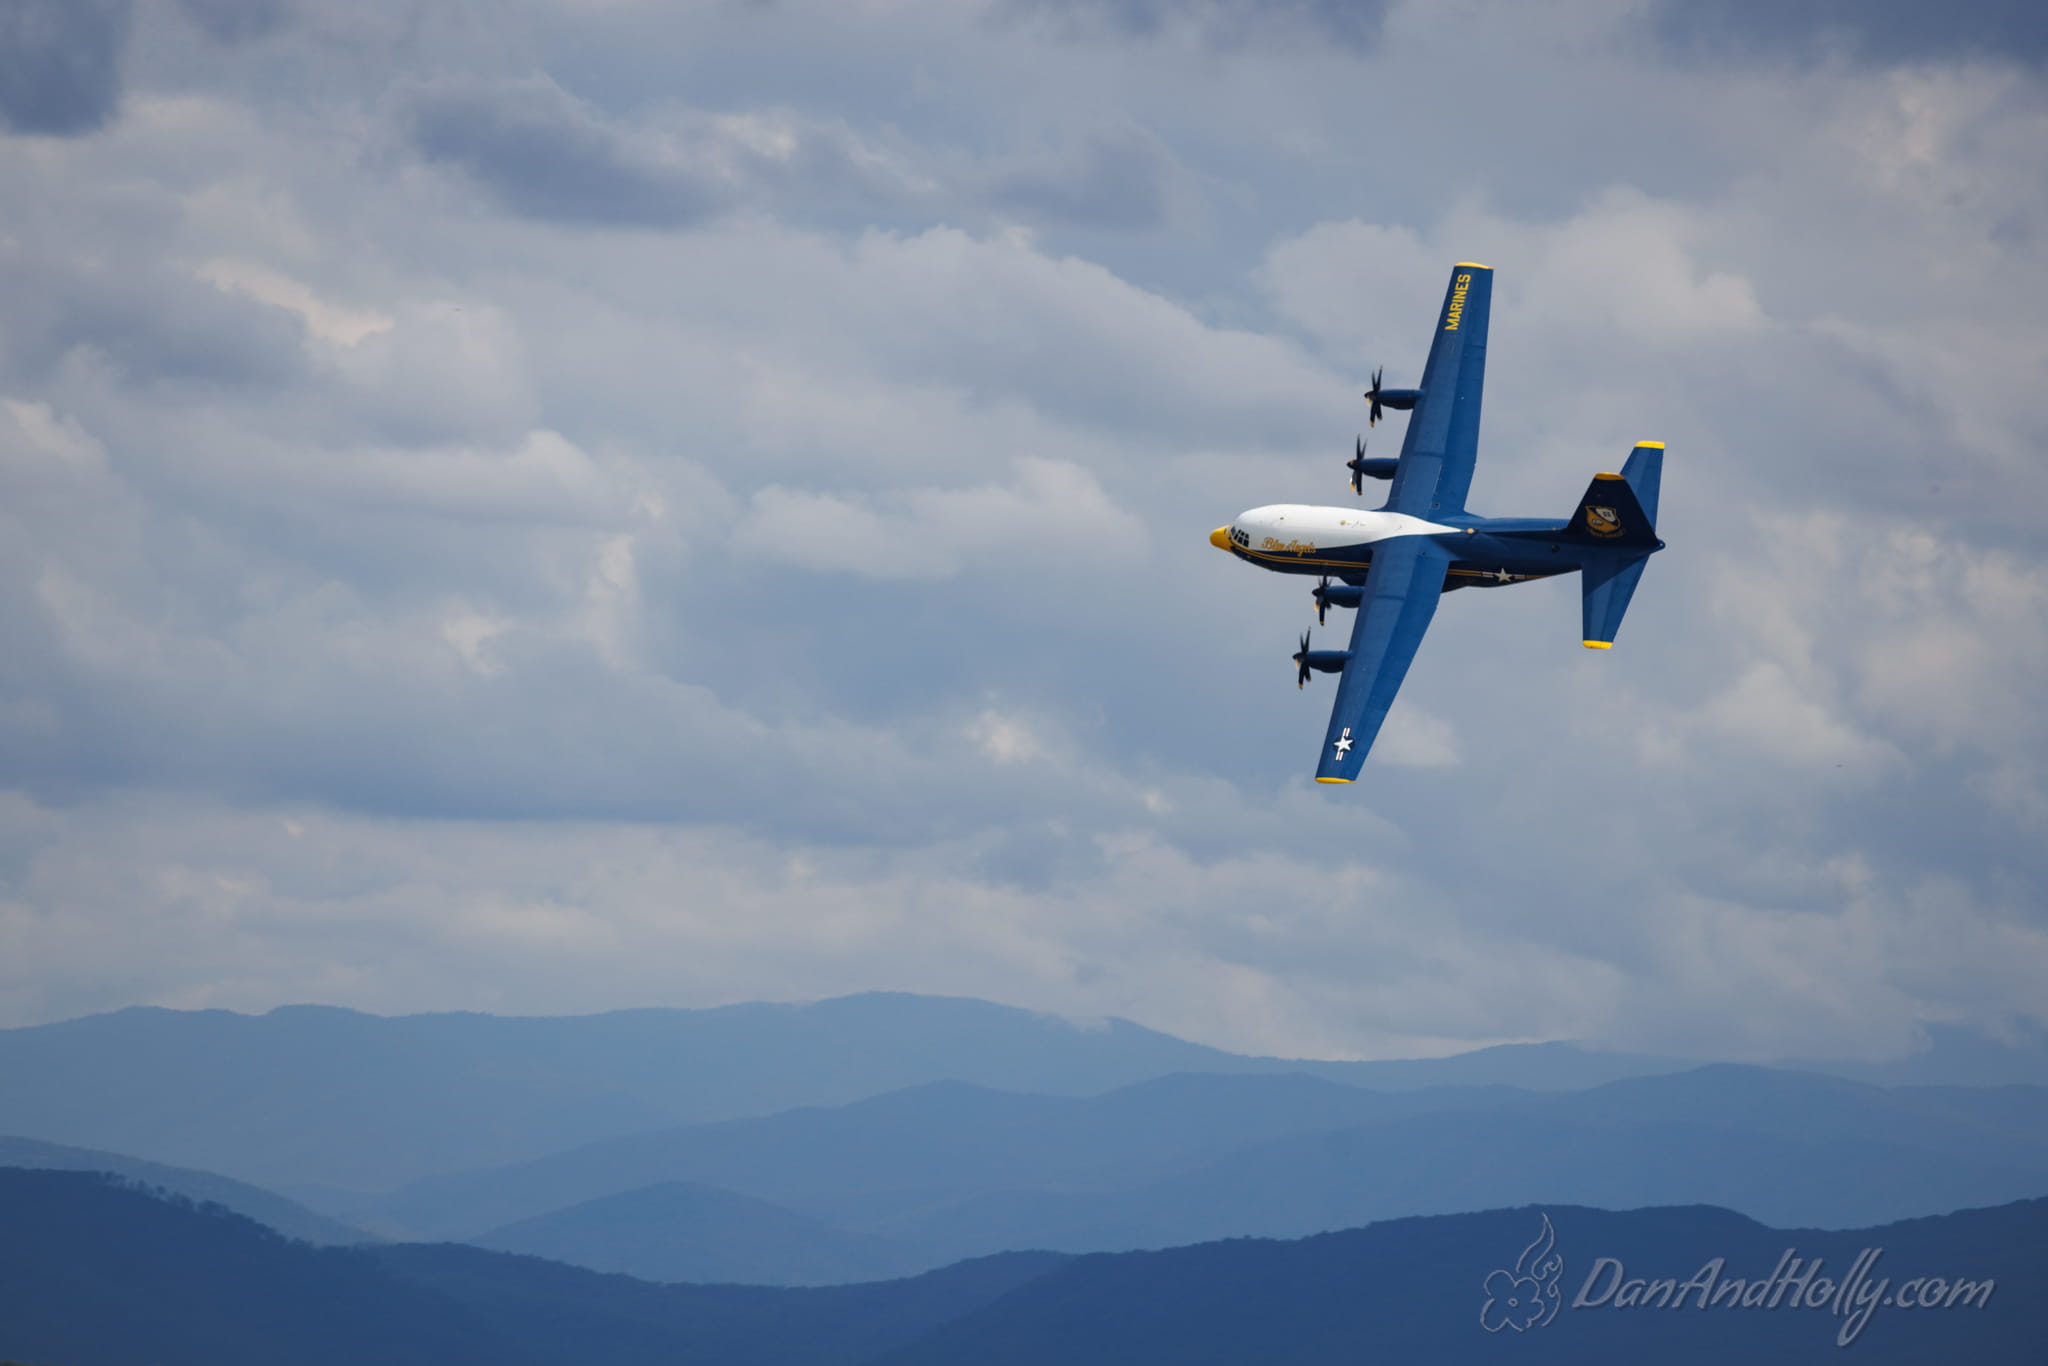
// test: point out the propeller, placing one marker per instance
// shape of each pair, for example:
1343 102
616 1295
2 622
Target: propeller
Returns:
1356 464
1372 418
1301 658
1323 595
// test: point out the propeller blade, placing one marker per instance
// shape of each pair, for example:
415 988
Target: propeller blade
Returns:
1372 418
1322 599
1301 658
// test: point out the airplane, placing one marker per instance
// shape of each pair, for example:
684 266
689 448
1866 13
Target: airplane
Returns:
1395 562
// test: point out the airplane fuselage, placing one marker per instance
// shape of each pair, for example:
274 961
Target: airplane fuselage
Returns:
1298 538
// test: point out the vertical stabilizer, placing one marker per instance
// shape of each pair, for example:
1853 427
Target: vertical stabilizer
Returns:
1644 473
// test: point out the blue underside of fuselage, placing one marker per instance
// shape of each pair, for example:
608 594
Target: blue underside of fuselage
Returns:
1500 550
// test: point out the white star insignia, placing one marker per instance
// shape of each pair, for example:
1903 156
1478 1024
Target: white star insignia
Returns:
1344 742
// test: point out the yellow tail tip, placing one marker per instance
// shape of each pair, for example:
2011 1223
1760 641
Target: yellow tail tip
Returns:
1333 780
1599 644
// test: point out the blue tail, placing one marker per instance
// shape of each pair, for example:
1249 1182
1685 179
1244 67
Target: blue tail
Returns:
1644 473
1616 528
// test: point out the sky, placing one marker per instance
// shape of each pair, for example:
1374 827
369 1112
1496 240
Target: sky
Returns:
546 506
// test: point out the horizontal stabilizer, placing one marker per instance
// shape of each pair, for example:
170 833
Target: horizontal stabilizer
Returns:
1608 581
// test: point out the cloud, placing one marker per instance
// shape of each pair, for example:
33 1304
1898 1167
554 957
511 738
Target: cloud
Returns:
1226 23
1051 512
238 21
1892 31
341 326
544 153
1119 178
60 64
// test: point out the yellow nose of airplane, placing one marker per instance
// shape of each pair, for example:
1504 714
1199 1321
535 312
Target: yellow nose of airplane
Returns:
1220 538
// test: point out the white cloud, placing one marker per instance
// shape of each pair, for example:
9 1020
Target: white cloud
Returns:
1052 514
327 321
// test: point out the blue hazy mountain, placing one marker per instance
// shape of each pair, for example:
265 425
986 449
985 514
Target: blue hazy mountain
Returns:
1442 1164
311 1096
924 1146
98 1273
682 1231
950 1170
102 1274
273 1211
1415 1290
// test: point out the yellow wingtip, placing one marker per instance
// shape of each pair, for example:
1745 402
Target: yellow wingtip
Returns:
1333 780
1607 476
1599 644
1470 265
1653 445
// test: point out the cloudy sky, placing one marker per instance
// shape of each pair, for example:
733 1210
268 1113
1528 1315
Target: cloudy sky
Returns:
550 506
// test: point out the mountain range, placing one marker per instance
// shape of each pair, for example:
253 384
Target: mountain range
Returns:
922 1177
310 1097
1079 1144
99 1273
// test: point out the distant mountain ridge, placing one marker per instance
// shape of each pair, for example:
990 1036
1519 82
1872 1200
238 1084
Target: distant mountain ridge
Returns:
681 1231
950 1171
273 1211
315 1096
96 1272
100 1273
310 1096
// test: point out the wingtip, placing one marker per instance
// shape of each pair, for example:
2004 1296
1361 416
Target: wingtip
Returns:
1598 644
1333 780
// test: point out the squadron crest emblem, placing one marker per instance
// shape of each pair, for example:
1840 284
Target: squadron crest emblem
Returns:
1603 521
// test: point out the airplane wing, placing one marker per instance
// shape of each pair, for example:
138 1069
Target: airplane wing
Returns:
1435 468
1401 592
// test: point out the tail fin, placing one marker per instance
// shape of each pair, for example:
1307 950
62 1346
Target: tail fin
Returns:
1616 523
1644 472
1610 514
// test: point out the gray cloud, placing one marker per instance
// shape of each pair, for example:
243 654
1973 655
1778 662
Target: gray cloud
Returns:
238 21
1118 178
1884 31
542 152
1227 23
60 63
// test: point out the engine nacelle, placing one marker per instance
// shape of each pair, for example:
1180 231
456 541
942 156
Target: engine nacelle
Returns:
1373 467
1327 661
1402 399
1338 595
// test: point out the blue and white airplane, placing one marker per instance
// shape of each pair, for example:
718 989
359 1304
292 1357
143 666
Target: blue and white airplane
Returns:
1393 564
